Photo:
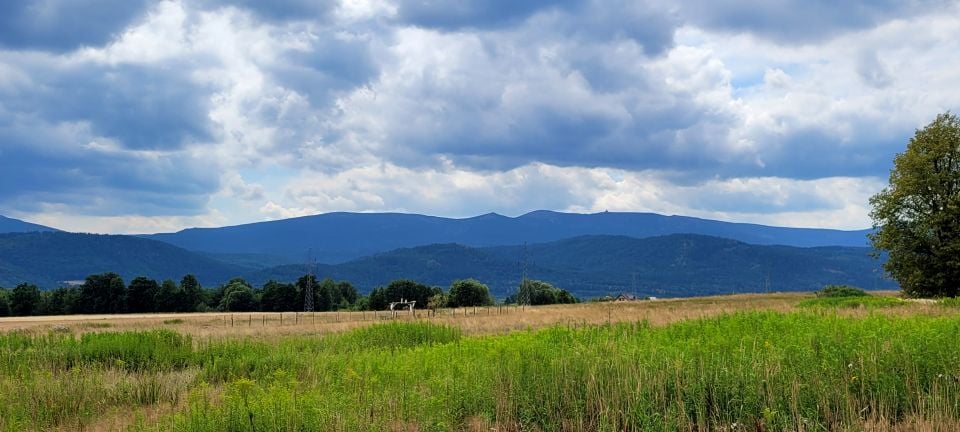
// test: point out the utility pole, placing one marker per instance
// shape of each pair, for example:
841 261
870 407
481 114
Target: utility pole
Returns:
524 289
308 289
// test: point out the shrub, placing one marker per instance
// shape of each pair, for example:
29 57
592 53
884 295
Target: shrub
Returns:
853 302
468 292
841 291
950 301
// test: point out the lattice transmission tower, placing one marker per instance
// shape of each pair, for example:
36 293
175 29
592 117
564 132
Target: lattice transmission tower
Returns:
308 288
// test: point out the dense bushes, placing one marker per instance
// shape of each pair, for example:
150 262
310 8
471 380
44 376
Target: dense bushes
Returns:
845 296
840 291
534 292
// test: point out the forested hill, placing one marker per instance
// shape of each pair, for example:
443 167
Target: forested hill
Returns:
48 258
340 237
10 225
674 265
588 266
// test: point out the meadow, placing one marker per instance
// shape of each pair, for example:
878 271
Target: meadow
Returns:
754 362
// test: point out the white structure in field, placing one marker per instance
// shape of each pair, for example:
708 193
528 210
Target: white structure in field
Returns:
404 304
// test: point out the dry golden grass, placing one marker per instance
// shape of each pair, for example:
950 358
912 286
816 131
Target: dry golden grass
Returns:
492 320
488 320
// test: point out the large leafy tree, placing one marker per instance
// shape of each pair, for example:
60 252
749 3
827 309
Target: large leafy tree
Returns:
323 298
402 289
140 295
25 300
280 297
238 296
102 293
468 292
168 297
4 303
348 294
917 217
63 301
192 293
534 292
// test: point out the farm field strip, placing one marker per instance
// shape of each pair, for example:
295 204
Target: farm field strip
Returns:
764 365
471 320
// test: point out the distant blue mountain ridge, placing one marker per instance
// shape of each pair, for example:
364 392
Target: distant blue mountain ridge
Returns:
589 254
676 265
10 225
334 238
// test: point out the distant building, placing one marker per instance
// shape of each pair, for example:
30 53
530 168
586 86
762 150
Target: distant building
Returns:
626 297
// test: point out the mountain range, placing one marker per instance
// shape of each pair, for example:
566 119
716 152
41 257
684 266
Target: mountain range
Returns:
48 259
10 225
589 266
590 255
340 237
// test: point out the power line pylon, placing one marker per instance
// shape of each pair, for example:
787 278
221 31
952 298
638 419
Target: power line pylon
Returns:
308 289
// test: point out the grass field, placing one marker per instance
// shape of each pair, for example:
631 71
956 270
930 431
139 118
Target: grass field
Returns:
747 362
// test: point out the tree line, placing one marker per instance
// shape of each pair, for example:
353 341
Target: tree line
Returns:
107 293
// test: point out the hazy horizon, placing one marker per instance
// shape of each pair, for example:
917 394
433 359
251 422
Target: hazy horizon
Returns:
438 216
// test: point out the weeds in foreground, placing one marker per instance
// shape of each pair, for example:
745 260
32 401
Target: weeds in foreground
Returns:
853 302
756 371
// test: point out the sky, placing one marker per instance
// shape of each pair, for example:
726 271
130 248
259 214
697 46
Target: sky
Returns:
137 116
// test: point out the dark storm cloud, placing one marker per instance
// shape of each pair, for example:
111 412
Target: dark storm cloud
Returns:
649 25
43 163
279 10
329 67
473 14
142 107
63 25
671 137
810 153
798 21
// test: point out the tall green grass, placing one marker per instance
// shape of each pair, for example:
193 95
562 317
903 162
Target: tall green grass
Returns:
747 371
59 379
779 372
853 302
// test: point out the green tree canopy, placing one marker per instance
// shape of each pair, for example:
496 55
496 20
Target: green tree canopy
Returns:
534 292
63 301
193 295
402 289
4 303
280 297
348 294
468 292
238 296
24 300
323 300
141 295
102 293
917 217
169 297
